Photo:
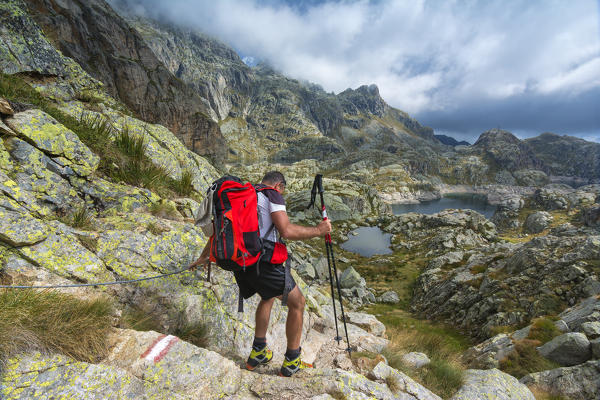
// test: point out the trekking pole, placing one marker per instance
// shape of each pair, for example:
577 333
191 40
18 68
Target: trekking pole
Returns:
331 261
337 338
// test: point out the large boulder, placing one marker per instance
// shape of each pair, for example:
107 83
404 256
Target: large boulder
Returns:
567 350
581 382
351 278
492 384
538 221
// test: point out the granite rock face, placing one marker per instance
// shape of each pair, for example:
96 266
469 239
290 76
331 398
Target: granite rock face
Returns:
105 46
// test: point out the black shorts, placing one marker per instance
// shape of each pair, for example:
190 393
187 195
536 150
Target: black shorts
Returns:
269 283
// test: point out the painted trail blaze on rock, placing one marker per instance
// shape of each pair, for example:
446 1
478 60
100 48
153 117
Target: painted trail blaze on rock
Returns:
159 348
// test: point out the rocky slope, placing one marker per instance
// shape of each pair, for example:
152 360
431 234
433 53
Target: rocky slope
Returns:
105 46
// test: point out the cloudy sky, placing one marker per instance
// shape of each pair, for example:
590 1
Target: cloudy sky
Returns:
461 67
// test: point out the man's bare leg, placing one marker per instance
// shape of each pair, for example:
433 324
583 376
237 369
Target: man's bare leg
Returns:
293 325
263 314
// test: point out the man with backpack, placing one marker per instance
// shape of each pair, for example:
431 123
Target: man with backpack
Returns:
270 278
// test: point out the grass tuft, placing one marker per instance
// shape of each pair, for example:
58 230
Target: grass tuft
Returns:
543 330
164 210
444 375
183 186
196 334
50 321
82 219
140 320
525 359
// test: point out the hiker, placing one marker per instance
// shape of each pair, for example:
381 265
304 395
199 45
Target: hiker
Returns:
270 280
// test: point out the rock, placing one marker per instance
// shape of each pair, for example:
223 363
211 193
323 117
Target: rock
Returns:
61 377
5 107
384 372
306 271
591 329
343 361
321 267
567 350
366 321
5 130
20 228
586 311
492 384
55 140
581 382
389 297
415 360
591 215
537 222
488 354
531 177
521 333
350 278
562 326
595 348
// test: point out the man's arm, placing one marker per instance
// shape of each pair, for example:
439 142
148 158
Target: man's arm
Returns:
290 231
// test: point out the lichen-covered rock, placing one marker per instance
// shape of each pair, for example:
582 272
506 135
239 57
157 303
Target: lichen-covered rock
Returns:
49 377
581 382
41 181
55 140
492 384
567 350
63 254
18 228
26 49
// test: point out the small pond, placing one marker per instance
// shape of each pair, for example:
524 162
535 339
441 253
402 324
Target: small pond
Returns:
469 201
368 241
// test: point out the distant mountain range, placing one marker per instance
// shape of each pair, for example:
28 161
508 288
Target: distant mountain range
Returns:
219 107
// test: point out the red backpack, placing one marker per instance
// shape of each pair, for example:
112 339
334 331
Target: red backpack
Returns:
236 243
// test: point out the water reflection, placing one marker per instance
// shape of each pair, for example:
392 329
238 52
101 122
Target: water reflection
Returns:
469 201
368 241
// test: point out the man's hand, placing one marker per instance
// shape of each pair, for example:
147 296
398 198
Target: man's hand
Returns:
324 227
202 260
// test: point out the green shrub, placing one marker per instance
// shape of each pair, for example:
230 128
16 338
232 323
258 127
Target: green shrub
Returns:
50 321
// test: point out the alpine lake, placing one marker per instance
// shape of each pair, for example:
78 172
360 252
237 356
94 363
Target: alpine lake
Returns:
370 241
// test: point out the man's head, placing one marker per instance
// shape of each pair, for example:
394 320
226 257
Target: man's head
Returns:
274 179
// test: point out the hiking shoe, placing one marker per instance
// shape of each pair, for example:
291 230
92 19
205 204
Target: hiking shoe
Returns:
258 357
290 367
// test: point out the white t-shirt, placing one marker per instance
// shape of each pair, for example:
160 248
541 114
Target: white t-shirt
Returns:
269 201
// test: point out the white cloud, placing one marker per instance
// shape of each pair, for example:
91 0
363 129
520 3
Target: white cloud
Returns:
423 55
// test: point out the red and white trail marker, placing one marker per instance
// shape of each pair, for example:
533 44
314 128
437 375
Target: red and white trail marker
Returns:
159 348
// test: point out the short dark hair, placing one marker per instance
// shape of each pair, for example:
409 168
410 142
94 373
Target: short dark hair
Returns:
273 178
